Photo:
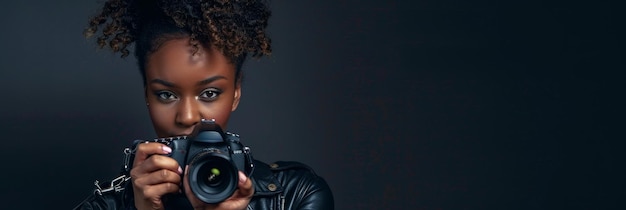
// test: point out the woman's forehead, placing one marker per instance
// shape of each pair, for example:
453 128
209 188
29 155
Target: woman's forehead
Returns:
178 59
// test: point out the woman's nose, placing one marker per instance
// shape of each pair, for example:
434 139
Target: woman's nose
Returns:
188 113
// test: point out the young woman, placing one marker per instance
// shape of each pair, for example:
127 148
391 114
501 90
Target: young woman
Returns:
190 55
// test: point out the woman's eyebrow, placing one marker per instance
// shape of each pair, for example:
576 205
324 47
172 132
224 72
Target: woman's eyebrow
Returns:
163 82
210 79
203 82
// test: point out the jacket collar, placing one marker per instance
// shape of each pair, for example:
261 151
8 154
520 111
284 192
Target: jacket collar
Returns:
264 181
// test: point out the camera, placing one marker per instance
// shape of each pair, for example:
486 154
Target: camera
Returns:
214 158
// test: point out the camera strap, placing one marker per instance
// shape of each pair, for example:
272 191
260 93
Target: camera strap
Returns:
116 185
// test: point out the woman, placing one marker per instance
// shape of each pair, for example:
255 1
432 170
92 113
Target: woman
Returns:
190 55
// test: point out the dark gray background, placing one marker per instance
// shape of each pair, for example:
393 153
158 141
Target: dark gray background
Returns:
423 105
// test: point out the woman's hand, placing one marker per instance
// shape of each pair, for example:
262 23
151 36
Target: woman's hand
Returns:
238 201
154 175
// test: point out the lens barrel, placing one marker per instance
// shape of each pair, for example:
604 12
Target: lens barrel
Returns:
212 177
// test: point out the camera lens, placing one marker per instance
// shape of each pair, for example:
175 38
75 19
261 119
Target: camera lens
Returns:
212 177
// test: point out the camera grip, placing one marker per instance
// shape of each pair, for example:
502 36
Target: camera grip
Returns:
179 151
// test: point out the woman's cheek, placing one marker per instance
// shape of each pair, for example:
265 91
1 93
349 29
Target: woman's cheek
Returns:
163 118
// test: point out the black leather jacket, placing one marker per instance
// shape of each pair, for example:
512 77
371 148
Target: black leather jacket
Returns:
281 185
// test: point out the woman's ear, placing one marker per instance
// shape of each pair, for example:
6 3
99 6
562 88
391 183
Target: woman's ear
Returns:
237 96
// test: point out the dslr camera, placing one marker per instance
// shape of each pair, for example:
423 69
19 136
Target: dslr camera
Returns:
214 158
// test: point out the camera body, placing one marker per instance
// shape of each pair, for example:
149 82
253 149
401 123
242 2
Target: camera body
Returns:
214 159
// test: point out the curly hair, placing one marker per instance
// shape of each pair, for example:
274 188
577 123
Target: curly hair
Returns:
235 27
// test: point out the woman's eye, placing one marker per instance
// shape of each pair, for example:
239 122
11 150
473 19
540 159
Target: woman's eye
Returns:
209 95
165 96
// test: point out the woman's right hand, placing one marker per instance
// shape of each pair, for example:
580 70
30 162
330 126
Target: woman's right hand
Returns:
154 175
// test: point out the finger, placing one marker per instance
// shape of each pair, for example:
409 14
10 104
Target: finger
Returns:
245 189
157 191
152 195
188 192
158 177
145 150
158 162
153 164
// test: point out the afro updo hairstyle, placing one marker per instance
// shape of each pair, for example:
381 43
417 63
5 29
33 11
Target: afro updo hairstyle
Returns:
235 27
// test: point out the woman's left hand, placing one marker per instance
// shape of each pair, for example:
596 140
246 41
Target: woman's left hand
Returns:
238 201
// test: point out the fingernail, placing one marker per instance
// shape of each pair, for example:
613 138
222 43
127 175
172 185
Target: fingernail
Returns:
166 149
180 170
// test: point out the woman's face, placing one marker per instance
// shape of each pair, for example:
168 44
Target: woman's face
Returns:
183 87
